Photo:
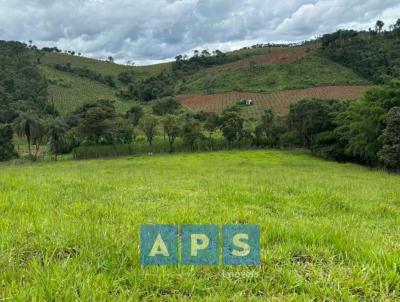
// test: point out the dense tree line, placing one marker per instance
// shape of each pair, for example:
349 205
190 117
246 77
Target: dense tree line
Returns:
184 65
23 97
7 150
21 84
364 131
164 83
375 55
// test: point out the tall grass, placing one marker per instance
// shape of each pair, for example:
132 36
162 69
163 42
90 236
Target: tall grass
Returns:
69 231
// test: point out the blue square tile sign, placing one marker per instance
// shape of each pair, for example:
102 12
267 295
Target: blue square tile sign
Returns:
240 244
199 244
159 244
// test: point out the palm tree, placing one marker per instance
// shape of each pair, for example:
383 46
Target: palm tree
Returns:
379 25
56 130
25 125
39 137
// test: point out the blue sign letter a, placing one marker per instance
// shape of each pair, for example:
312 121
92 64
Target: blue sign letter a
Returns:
158 244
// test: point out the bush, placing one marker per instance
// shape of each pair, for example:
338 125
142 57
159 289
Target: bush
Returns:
390 152
7 150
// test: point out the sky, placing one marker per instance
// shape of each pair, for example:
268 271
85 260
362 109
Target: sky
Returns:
152 31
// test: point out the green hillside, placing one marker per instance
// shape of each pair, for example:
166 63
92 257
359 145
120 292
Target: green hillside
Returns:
67 92
310 71
254 69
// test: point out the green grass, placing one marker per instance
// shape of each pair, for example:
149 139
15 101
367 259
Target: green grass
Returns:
103 67
70 230
311 71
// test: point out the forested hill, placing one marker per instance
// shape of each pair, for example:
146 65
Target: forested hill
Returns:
374 55
22 86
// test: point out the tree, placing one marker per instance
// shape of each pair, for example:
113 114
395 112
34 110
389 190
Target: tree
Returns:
7 150
56 131
360 127
379 25
172 127
39 137
231 126
269 129
212 123
126 77
191 132
396 26
121 131
98 123
389 155
148 124
26 125
308 118
169 105
154 87
134 114
109 80
95 123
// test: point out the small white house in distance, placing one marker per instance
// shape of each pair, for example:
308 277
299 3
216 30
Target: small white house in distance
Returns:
249 102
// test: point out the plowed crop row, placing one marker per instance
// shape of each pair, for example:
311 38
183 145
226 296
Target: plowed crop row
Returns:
284 56
279 101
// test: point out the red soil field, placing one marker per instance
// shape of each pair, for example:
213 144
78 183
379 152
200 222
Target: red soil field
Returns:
283 56
279 101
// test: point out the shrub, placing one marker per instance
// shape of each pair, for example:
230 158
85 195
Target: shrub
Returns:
390 152
7 150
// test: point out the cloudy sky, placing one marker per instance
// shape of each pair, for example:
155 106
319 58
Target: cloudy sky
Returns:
148 31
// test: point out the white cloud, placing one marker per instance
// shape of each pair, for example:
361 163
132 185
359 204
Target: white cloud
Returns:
148 31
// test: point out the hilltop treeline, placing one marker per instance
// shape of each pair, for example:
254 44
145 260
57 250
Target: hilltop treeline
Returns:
375 55
164 83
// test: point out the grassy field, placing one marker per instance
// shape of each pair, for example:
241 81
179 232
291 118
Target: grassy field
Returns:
70 230
103 67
